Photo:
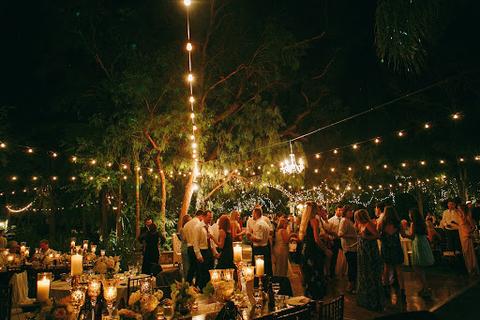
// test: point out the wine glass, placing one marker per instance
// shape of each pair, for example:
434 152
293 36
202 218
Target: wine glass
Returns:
168 311
276 290
258 296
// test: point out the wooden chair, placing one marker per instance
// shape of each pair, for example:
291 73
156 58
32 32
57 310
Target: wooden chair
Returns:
134 284
303 312
5 302
331 310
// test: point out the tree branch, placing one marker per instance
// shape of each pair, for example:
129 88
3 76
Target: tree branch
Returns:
221 184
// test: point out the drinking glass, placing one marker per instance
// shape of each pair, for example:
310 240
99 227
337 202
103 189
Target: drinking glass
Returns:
258 296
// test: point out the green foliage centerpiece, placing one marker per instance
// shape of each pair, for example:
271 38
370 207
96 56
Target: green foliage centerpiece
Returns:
183 295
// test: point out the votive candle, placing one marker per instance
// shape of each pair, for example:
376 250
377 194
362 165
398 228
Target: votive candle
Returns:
43 289
237 252
77 265
259 265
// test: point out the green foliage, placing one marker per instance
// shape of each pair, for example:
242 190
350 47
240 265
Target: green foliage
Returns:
403 31
127 247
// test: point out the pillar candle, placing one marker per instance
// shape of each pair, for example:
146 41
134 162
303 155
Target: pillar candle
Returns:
77 265
237 253
259 266
43 289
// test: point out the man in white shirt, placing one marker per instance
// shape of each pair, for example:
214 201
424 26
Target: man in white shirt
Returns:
349 239
450 222
203 250
334 224
189 234
213 230
260 236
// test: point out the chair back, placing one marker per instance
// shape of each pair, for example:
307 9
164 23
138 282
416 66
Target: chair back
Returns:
134 284
5 302
331 310
306 311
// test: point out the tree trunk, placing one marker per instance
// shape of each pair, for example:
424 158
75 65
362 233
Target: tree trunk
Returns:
462 186
187 198
118 222
419 200
163 217
104 213
137 201
51 226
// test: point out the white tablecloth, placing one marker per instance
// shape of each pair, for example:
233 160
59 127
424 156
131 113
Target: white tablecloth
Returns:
60 289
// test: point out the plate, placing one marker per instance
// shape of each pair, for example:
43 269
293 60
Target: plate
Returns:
297 301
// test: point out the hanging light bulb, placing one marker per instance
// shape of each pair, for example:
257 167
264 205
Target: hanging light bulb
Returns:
290 166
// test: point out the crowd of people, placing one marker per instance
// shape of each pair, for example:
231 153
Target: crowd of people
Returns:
371 246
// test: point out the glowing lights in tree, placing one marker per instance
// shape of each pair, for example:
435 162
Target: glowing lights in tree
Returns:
290 165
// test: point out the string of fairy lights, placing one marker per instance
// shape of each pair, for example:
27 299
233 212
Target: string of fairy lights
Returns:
125 169
191 99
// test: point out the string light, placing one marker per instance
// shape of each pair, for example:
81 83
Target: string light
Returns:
377 140
355 146
335 151
9 208
29 150
54 154
456 116
3 145
401 133
427 125
190 79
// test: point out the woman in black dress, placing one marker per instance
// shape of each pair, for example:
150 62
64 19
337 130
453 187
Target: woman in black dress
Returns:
149 237
314 253
369 264
224 244
392 253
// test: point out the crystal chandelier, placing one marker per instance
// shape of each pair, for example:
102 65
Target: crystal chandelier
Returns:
290 166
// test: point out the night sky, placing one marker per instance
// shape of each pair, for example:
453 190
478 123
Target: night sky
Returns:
42 64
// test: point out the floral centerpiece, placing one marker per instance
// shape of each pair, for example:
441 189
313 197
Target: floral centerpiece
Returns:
141 305
183 295
107 266
61 310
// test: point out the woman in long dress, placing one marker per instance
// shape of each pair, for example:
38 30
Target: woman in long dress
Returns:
465 231
184 246
236 226
421 252
280 248
391 249
369 291
224 244
314 253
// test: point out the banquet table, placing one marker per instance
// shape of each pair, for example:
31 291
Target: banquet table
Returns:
61 288
208 309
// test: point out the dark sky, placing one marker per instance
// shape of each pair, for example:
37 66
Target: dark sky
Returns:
39 64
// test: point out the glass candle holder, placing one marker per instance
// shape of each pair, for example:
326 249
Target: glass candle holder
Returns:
237 252
228 274
248 272
110 294
44 280
85 245
93 248
215 275
259 265
77 298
